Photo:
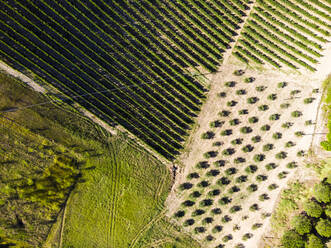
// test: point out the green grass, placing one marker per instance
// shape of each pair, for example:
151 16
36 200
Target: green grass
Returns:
119 200
327 107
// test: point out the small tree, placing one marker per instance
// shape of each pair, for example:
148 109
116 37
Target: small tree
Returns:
234 122
217 143
314 242
195 194
322 192
274 117
260 88
263 197
296 114
252 188
222 94
261 178
259 157
198 212
214 192
263 107
256 226
313 209
243 112
268 147
246 130
308 122
188 222
228 151
179 214
235 208
212 173
226 132
203 184
265 127
216 211
202 165
277 136
282 174
237 141
239 160
234 189
299 133
224 113
241 92
207 220
282 84
226 219
285 105
271 166
199 229
239 72
241 179
210 154
223 181
230 84
272 186
254 207
216 123
287 125
206 202
301 224
185 186
256 139
291 239
252 100
323 228
281 155
272 97
224 200
219 163
251 169
289 144
248 148
231 103
217 229
188 203
247 236
193 175
209 238
308 100
292 165
208 135
249 79
294 92
253 119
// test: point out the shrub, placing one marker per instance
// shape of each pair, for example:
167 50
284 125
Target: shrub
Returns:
214 192
248 148
224 113
263 107
202 165
234 189
285 105
274 117
188 203
212 173
206 203
291 239
268 147
272 97
241 92
185 186
260 88
222 94
234 122
252 100
239 160
230 84
188 222
253 119
217 143
314 242
228 151
226 132
254 207
237 141
308 100
281 155
282 85
223 181
243 112
282 174
322 192
315 90
216 211
193 175
238 72
301 224
256 226
199 229
308 122
210 154
292 165
265 127
256 139
287 125
217 229
259 157
277 136
296 114
261 178
252 188
312 208
209 238
226 218
249 80
251 169
224 200
263 197
203 184
219 163
241 179
271 166
179 214
235 208
323 228
198 212
247 236
272 186
207 220
216 123
208 135
294 92
299 134
289 144
231 103
246 130
328 210
195 194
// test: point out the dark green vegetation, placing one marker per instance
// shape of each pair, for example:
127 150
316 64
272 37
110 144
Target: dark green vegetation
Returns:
327 108
136 62
285 33
47 150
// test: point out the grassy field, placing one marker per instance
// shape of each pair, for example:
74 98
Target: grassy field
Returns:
116 202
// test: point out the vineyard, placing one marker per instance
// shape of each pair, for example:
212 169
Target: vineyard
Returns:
285 33
139 64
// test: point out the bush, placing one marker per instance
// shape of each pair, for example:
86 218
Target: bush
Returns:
289 144
202 165
301 224
217 229
274 117
193 175
203 184
260 88
224 200
268 147
195 194
249 80
281 155
237 141
198 212
243 112
256 139
241 92
252 100
296 114
219 163
328 210
185 186
207 220
256 226
263 107
224 113
230 84
263 197
291 239
210 154
299 134
214 192
261 178
308 122
287 125
248 148
246 130
277 136
216 123
282 85
222 94
272 186
234 189
259 157
308 100
235 208
223 181
247 236
254 207
313 209
239 160
217 143
294 92
322 192
323 228
208 135
234 122
252 188
239 72
179 214
292 165
228 151
216 211
209 238
199 229
188 203
231 103
206 203
301 153
265 127
226 218
271 166
282 174
212 173
251 169
188 222
226 132
285 105
314 242
253 119
241 179
272 97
